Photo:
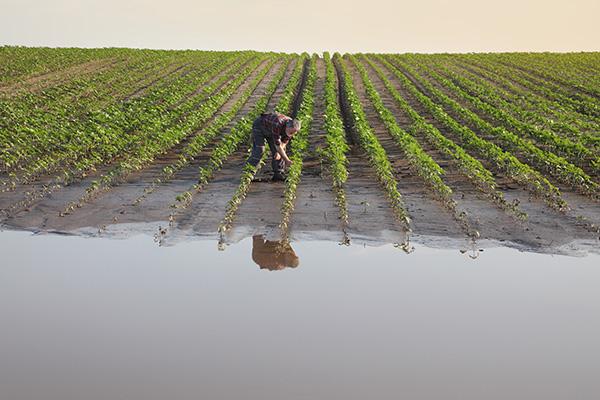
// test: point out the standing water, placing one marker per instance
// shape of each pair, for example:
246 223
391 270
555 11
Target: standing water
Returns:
93 318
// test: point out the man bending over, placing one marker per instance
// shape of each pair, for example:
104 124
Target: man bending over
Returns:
276 129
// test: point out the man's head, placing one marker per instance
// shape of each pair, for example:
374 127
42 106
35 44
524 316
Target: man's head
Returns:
292 126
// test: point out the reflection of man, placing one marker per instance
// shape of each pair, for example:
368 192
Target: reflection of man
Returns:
273 255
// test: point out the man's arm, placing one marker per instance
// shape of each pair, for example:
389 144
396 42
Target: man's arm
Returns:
277 155
281 151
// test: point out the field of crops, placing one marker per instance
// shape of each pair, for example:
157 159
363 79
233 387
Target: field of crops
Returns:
392 147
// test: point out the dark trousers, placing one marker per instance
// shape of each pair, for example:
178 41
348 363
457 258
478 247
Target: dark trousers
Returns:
259 137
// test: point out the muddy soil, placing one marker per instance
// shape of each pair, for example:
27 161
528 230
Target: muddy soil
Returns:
545 227
316 215
371 220
428 216
208 207
110 207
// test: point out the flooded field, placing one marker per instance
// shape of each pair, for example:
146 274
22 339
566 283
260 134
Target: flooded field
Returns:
440 150
436 234
97 318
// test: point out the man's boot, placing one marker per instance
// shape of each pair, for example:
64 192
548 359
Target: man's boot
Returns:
278 177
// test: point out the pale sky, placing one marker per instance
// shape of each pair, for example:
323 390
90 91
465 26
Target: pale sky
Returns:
309 25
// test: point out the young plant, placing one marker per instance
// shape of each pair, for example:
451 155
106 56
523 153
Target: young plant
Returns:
337 147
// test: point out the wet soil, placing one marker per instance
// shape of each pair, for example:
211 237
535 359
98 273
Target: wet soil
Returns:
260 210
316 215
112 206
371 220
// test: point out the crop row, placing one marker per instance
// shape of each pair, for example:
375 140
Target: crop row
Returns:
20 63
587 104
469 166
560 71
486 101
557 166
525 105
299 146
284 105
199 142
82 93
73 141
337 146
368 141
539 100
120 131
26 63
62 114
230 142
538 87
503 160
161 141
420 162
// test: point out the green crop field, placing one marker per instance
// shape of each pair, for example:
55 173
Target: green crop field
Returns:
503 146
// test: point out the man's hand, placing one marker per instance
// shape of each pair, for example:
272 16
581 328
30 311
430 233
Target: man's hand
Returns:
281 153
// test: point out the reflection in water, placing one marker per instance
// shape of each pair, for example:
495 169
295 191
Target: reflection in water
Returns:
97 319
472 250
273 254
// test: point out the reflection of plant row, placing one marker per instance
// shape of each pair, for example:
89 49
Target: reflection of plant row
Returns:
504 161
421 163
557 166
112 132
240 132
336 141
163 141
199 141
300 145
468 166
369 143
284 105
478 96
526 105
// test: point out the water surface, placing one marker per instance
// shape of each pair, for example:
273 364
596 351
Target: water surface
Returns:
93 318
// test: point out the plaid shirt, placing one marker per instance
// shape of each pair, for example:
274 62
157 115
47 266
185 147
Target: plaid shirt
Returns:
274 123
